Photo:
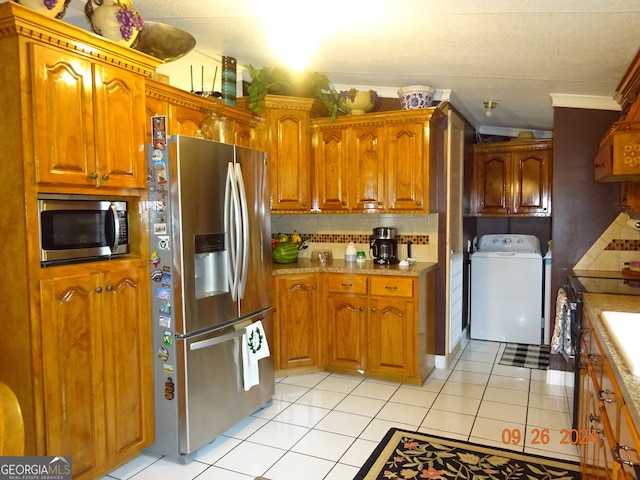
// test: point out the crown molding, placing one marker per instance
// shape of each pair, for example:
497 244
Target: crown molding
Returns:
584 101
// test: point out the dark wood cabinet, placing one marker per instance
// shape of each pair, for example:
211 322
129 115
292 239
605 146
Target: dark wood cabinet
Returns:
513 178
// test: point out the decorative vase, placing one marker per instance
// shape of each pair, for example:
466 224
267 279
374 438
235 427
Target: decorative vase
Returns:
359 102
49 8
119 24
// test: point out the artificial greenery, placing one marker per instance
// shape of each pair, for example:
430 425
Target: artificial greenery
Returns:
274 79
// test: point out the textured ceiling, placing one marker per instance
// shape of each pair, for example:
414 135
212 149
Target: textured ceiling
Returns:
516 53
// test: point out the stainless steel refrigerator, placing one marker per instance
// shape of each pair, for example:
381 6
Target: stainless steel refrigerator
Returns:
210 239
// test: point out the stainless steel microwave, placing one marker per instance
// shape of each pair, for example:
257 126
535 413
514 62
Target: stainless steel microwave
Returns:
76 230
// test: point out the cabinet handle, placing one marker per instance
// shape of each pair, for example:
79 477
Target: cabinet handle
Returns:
109 288
380 203
391 287
347 284
344 204
373 309
594 358
592 418
362 309
93 175
105 177
304 204
597 431
314 286
418 203
606 400
98 289
615 451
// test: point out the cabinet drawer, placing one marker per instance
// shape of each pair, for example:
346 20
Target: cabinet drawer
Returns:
348 284
391 286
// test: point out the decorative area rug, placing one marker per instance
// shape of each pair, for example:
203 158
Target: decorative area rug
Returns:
413 455
528 356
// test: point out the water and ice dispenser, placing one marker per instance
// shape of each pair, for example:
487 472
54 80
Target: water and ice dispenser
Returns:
210 258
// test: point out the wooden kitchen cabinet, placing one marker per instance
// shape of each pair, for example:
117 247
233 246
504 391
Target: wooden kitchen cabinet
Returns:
513 178
89 120
296 328
285 136
96 345
384 158
393 326
186 113
78 360
630 196
618 157
331 174
346 321
603 415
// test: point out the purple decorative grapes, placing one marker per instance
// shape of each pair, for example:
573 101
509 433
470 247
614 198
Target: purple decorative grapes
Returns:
129 19
50 4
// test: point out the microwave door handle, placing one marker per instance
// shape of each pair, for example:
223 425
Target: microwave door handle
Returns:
115 223
244 228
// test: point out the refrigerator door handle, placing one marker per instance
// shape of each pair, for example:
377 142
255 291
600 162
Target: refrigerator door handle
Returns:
244 232
216 341
231 223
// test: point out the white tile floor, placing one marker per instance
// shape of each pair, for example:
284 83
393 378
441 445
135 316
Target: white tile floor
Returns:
324 426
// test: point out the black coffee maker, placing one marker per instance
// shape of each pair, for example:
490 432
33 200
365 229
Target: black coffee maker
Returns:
384 245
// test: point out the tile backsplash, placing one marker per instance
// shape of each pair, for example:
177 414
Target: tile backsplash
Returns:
618 244
333 232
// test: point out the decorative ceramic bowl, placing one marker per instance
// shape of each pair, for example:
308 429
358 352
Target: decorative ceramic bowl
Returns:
359 101
53 8
416 96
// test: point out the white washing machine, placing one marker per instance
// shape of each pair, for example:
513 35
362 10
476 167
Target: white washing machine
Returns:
506 289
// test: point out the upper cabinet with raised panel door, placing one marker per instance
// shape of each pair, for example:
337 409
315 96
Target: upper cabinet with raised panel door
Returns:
286 138
187 113
377 162
88 121
77 106
513 178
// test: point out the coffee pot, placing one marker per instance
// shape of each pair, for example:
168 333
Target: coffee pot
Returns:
384 245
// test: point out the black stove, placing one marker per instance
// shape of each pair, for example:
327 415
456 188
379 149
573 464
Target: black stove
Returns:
589 281
614 283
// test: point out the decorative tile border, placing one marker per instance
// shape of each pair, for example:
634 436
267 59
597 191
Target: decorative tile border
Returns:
623 245
356 238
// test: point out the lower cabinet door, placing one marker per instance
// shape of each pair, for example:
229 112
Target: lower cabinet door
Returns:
297 321
391 336
73 371
128 369
346 336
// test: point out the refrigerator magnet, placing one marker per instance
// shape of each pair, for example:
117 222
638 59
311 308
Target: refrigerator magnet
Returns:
167 337
164 321
169 389
156 275
160 228
162 354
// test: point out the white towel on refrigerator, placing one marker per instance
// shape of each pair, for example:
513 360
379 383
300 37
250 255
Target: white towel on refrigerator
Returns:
254 347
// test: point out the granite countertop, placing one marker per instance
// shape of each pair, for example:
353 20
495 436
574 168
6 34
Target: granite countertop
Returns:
304 265
597 303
